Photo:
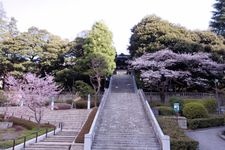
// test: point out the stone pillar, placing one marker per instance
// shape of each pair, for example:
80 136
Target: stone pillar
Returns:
89 102
52 104
21 103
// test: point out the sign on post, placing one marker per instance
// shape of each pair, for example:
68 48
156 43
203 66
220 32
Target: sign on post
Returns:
176 107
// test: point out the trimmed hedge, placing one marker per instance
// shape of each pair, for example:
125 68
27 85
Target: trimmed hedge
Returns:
62 106
22 122
86 127
156 103
178 139
165 111
205 122
195 110
28 124
82 104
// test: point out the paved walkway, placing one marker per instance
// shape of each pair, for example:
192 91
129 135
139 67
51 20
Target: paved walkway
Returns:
208 138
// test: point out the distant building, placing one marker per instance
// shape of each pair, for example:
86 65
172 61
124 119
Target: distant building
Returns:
122 61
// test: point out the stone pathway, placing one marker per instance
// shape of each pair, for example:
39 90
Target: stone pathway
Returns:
123 125
208 138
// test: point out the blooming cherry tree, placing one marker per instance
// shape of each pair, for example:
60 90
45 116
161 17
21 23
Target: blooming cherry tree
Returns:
32 91
189 71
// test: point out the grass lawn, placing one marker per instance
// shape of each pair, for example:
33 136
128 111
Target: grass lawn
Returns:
20 129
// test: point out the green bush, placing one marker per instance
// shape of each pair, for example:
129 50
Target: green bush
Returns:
83 88
187 101
194 110
156 103
178 139
82 104
165 110
205 122
210 104
173 100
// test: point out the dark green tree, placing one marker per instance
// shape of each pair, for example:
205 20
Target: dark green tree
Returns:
217 23
153 34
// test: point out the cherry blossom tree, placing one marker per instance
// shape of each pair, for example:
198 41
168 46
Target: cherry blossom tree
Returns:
32 91
195 71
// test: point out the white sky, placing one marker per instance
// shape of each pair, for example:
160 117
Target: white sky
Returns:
67 18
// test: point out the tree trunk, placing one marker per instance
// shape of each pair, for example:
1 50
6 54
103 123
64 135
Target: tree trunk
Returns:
96 87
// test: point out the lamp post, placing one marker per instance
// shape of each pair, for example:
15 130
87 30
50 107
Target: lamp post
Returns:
1 83
217 98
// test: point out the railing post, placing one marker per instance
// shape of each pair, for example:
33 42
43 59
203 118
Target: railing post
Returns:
14 143
54 131
36 137
61 126
24 142
46 132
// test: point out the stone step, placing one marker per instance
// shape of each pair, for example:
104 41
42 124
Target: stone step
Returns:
59 140
127 139
124 135
45 148
114 147
121 142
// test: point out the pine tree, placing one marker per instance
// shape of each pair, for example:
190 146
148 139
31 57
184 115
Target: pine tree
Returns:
218 19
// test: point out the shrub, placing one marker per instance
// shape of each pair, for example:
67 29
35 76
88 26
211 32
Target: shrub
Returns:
205 122
83 88
210 104
173 100
62 106
195 110
82 104
187 101
69 101
165 111
178 139
156 103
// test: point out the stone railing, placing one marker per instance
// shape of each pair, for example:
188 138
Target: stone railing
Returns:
164 140
88 140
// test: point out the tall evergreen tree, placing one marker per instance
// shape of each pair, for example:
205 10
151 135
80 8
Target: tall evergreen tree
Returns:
218 19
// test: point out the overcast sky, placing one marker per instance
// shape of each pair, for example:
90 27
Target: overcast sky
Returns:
67 18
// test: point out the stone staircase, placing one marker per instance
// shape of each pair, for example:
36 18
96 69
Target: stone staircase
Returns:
72 121
124 125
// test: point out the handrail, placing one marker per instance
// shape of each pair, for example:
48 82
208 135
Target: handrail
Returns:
163 139
88 140
36 138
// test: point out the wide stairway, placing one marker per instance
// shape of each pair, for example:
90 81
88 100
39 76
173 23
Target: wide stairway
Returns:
124 124
72 120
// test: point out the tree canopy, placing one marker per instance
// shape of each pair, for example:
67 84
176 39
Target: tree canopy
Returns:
217 23
184 71
152 34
